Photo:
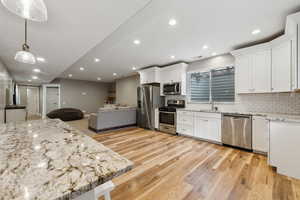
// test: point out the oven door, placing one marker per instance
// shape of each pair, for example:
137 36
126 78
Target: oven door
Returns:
167 118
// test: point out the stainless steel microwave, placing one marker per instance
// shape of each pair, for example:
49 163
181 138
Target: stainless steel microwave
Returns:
172 88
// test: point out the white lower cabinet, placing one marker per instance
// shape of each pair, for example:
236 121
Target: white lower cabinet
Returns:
260 134
284 148
200 125
208 126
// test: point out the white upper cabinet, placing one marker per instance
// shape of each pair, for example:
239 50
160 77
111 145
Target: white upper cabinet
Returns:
172 74
261 63
253 71
282 66
244 74
150 75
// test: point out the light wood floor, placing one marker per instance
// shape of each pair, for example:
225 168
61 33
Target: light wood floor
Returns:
178 168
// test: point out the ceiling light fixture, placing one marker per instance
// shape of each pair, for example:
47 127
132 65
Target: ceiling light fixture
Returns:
70 75
34 77
256 31
172 22
115 74
99 79
81 69
172 57
34 10
137 42
29 80
205 47
37 70
40 59
97 60
25 56
133 68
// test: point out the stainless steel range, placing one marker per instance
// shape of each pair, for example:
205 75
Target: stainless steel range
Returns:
167 116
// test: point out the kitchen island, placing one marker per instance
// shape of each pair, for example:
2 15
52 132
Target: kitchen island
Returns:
48 159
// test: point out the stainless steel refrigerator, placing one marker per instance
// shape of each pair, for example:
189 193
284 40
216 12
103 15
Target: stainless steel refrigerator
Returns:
148 100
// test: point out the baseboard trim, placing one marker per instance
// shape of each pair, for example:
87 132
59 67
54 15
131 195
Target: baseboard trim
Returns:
113 128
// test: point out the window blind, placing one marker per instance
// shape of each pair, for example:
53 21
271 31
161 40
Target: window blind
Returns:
200 87
216 85
222 85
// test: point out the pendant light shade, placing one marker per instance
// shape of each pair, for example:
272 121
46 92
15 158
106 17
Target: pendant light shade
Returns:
25 56
34 10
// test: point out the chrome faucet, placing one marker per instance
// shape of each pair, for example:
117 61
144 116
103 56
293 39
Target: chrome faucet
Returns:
213 107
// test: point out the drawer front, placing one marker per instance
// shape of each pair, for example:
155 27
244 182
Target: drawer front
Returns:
185 129
185 119
208 115
188 113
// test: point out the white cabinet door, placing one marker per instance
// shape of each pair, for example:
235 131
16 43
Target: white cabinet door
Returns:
244 74
260 134
261 63
284 148
214 130
282 67
150 75
201 128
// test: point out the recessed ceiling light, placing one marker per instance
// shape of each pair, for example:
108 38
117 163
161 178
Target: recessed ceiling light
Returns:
173 57
99 79
29 80
205 47
172 22
81 69
137 42
70 75
256 31
133 68
37 70
40 59
115 74
34 77
97 60
214 54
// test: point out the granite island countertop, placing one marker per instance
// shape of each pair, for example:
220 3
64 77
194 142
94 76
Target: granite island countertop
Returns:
48 159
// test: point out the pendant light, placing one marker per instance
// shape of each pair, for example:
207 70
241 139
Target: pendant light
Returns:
25 56
34 10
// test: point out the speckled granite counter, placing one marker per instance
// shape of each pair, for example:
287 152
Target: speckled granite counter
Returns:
47 159
269 116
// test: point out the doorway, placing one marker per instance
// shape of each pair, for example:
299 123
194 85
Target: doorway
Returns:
29 96
51 98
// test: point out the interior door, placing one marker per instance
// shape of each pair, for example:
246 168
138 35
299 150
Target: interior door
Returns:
52 99
33 100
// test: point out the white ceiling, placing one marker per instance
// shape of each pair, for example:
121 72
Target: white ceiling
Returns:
79 31
73 28
220 24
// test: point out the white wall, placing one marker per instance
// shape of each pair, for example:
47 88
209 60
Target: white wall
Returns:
126 90
285 103
5 90
84 95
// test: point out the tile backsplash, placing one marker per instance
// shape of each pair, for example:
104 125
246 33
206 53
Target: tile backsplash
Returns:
280 103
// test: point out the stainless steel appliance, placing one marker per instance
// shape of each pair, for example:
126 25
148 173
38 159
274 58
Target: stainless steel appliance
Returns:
167 116
237 130
148 100
172 88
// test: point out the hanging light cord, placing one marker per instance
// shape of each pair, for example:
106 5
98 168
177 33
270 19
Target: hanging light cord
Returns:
25 45
26 31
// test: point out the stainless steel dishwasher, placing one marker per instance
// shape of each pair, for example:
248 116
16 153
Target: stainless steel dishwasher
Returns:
237 130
